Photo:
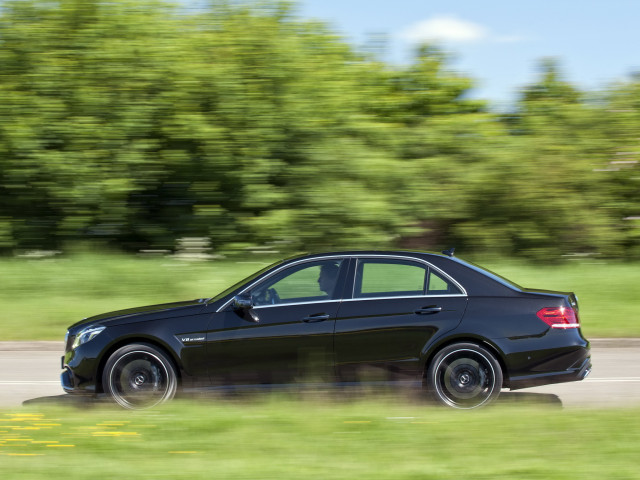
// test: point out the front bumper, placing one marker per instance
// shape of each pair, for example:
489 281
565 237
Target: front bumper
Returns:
76 385
67 380
80 366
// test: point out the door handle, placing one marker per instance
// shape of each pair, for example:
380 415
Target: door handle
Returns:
318 317
430 310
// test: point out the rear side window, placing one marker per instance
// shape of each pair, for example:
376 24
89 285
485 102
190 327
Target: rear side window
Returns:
438 285
376 278
389 278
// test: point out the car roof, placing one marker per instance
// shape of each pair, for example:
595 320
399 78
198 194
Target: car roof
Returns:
353 253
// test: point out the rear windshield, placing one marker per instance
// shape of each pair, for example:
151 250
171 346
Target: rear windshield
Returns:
494 276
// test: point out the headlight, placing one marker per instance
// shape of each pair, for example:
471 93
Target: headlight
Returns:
87 333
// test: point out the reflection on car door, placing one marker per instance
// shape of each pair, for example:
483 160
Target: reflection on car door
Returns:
290 343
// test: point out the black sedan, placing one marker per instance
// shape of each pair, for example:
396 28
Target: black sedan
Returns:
340 318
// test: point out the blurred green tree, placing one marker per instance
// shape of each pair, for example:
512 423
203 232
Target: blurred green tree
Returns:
550 202
138 122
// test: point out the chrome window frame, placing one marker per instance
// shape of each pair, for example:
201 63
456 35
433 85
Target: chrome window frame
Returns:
259 307
279 269
410 259
355 257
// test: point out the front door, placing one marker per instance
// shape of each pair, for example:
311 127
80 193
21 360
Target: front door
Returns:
292 341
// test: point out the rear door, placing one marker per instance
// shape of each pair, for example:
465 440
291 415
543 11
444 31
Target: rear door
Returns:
397 305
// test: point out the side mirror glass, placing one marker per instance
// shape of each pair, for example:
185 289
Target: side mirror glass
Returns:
243 306
242 302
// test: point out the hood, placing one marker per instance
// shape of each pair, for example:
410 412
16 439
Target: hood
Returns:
149 312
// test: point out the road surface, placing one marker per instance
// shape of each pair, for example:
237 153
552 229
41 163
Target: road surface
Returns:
29 371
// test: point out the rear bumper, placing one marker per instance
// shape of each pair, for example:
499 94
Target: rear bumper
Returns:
570 375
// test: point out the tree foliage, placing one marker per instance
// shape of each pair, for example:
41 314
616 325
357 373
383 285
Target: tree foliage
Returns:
136 123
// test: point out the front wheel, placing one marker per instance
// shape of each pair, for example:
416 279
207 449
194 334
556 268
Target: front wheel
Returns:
139 376
464 375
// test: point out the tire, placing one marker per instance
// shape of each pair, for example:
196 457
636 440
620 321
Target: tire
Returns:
464 375
139 376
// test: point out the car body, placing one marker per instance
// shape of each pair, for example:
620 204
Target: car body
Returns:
341 317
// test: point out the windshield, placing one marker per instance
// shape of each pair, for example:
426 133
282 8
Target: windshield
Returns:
242 282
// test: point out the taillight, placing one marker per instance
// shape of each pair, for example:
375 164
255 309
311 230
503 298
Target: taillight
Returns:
559 317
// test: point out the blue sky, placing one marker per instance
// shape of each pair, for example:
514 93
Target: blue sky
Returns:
498 43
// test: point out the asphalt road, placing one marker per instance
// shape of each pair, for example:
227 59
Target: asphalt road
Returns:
30 371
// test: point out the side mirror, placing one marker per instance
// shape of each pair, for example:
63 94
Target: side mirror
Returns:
243 306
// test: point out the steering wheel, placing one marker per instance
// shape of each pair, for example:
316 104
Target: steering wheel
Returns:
272 296
266 297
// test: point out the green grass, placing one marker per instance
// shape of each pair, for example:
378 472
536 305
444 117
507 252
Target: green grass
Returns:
39 299
284 438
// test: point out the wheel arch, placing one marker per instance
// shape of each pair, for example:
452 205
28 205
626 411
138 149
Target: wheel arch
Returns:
155 343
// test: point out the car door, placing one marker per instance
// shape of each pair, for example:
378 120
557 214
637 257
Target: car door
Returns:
292 340
397 306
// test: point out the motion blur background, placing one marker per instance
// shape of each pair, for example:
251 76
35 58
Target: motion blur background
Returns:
203 129
134 125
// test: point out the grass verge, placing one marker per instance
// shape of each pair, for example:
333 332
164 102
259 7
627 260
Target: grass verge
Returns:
282 438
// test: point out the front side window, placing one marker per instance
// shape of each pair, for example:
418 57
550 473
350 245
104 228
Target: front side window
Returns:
389 278
307 282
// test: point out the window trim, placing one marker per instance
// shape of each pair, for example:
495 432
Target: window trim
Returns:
276 271
404 258
293 270
258 307
351 269
443 278
359 271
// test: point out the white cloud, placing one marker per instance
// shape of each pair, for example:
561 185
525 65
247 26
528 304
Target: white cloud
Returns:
510 39
445 28
449 29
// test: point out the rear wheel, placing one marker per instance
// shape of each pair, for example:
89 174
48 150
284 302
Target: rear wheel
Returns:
464 375
139 376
